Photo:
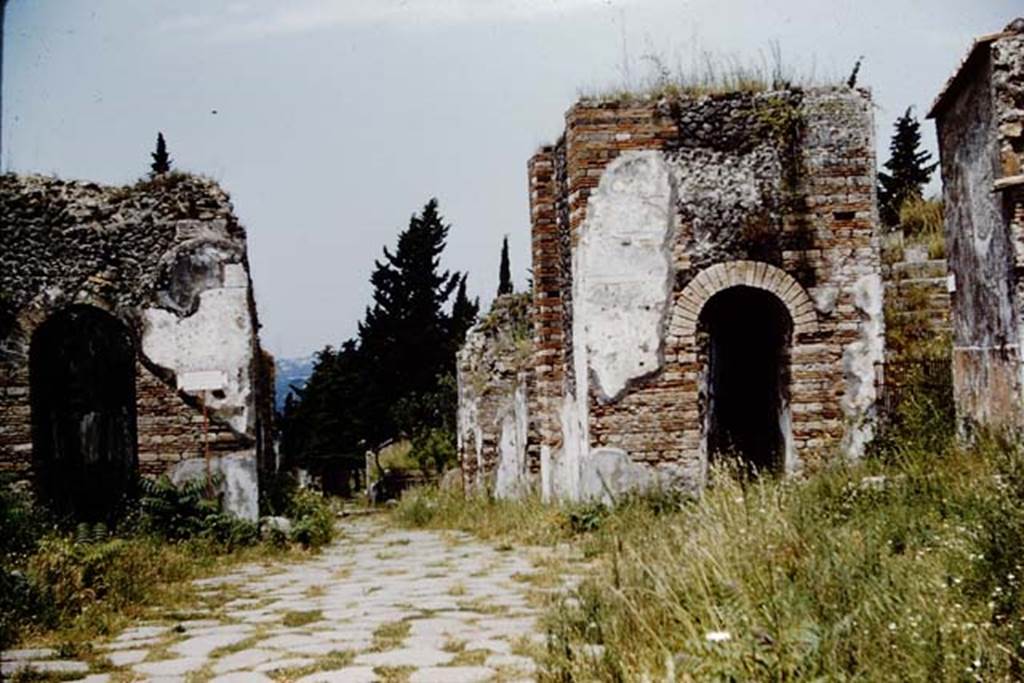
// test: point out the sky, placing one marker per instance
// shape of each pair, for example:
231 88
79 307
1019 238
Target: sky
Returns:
331 122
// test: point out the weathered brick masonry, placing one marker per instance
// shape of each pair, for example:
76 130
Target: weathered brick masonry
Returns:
979 117
642 213
165 261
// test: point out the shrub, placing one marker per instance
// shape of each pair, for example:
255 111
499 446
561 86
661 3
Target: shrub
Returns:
276 492
174 511
20 605
229 531
312 519
433 450
22 522
72 577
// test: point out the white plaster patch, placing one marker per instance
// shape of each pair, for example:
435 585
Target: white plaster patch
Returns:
512 476
859 361
565 464
217 337
608 474
239 480
825 298
622 271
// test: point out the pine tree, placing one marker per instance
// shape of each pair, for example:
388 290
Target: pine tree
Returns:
161 160
504 270
908 166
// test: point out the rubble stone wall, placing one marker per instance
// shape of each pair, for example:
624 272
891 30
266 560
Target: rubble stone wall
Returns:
494 384
166 258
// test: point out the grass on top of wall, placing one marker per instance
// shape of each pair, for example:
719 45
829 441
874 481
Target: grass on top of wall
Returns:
904 567
706 73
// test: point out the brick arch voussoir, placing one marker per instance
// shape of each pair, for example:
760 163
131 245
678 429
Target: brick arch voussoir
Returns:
758 274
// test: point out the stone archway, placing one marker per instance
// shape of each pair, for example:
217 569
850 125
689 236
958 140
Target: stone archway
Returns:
756 274
761 306
82 388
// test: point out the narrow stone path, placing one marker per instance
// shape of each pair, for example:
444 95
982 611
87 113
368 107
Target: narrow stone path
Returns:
379 604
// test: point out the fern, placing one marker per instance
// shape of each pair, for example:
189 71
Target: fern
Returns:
178 511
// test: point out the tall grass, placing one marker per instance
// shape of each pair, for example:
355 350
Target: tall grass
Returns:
905 567
706 73
922 223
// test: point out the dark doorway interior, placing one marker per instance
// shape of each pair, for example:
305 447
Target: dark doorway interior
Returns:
747 380
82 382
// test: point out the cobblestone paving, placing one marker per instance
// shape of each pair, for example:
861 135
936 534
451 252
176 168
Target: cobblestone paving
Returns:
379 604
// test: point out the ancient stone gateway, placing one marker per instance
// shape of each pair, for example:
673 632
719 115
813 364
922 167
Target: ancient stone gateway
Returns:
122 309
741 318
706 280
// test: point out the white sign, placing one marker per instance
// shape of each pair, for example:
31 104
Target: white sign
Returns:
203 380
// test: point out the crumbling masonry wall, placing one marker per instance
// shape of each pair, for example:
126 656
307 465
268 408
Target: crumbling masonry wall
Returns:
167 259
494 384
641 213
980 122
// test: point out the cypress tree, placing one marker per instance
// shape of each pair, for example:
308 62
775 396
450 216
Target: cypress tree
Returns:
396 378
161 160
406 334
908 166
464 313
504 270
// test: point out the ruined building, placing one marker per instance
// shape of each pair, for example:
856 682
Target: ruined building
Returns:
979 117
123 310
706 280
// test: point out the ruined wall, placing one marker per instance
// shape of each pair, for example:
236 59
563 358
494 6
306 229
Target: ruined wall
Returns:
645 210
493 424
166 258
979 119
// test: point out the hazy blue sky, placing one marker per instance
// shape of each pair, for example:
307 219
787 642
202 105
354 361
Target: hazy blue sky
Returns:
336 120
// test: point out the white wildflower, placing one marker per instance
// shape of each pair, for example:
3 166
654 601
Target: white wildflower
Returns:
717 636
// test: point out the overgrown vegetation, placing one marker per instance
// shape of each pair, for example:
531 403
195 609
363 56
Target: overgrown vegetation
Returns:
706 73
903 567
922 223
75 582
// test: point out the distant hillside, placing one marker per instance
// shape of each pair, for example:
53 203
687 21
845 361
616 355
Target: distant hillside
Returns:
291 371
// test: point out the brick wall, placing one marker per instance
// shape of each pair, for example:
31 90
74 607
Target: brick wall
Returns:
815 222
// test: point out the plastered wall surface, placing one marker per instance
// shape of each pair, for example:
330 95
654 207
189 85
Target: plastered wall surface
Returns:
980 122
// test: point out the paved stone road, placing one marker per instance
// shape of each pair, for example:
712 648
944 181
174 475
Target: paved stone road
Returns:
378 605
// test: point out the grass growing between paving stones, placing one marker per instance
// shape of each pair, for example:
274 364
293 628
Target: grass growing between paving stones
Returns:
301 618
904 567
393 674
390 635
332 661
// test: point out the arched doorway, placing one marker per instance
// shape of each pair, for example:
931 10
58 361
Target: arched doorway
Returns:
748 332
82 384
